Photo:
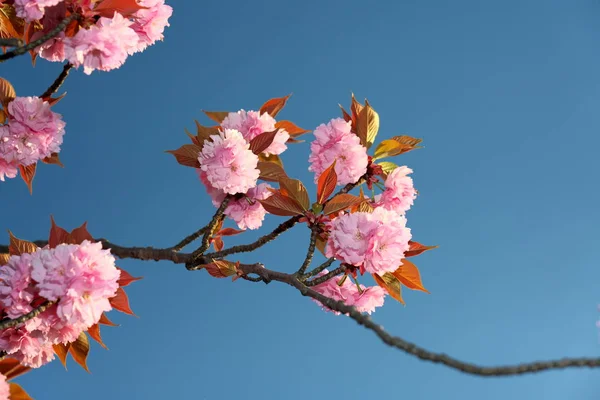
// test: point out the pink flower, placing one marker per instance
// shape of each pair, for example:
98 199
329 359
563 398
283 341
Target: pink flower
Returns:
336 142
331 289
217 196
349 237
8 169
251 124
104 46
4 388
399 192
228 162
30 348
16 287
149 24
31 10
370 298
53 49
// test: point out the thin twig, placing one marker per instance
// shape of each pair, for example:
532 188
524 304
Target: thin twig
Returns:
58 81
211 227
310 252
10 323
320 268
189 239
327 276
32 45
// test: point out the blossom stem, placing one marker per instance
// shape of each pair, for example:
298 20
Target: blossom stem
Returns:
58 81
320 268
311 251
10 323
328 276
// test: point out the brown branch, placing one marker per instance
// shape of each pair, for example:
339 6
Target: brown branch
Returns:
327 276
58 81
210 228
310 252
320 268
32 45
10 323
189 239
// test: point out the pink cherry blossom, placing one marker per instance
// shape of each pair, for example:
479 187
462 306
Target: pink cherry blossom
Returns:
103 46
399 193
7 169
229 163
370 298
32 349
336 142
53 49
217 196
252 123
16 286
4 388
331 289
149 24
349 237
31 10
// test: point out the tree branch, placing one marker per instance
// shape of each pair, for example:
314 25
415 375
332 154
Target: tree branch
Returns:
210 228
10 323
58 81
320 268
189 239
310 252
327 276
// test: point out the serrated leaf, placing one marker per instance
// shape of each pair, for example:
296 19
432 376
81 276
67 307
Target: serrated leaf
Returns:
221 268
4 257
126 279
204 133
57 234
355 109
105 321
53 159
16 246
390 284
365 206
121 302
367 125
80 349
217 116
396 146
345 115
417 248
278 204
270 171
290 128
187 155
295 189
326 183
61 351
17 392
94 332
7 91
408 274
27 174
341 202
79 234
273 106
262 142
107 8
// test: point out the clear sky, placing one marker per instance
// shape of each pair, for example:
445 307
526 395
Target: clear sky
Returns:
505 96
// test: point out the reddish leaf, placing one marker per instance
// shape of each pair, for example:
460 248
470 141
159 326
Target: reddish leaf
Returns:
57 234
273 106
94 332
321 244
121 302
4 257
229 232
29 31
408 274
262 141
73 27
105 321
290 128
187 155
192 137
270 171
27 174
221 268
278 204
17 392
355 108
80 349
271 158
346 116
390 284
204 133
217 116
396 146
417 248
11 368
292 140
53 159
7 91
78 235
295 189
218 243
326 183
367 125
107 8
17 246
61 351
125 278
11 27
341 202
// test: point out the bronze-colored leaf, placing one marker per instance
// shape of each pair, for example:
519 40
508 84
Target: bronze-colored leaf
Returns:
341 202
273 106
217 116
61 351
367 125
270 171
27 174
290 128
346 116
326 183
187 155
107 8
355 109
396 146
11 368
126 279
121 302
80 349
278 204
7 91
221 268
94 332
417 248
204 133
390 284
16 246
53 159
320 244
387 167
4 257
79 234
57 234
271 158
262 142
295 189
365 206
105 321
17 392
408 274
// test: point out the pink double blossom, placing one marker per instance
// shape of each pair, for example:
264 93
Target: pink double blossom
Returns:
150 23
31 10
399 193
252 123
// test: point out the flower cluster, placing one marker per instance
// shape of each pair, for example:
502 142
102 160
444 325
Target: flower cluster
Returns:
4 388
80 279
33 132
251 124
102 38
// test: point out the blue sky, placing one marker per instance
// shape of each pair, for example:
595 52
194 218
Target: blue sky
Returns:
505 96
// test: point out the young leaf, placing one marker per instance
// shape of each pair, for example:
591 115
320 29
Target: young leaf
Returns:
391 285
387 167
355 108
107 8
326 183
296 190
217 116
105 321
121 302
4 257
367 125
278 204
320 244
229 232
341 202
221 268
79 234
396 146
187 155
11 368
53 159
204 133
218 243
80 349
126 278
271 158
262 141
346 116
94 332
61 351
290 128
408 275
11 27
17 392
28 173
16 246
57 234
273 106
7 91
417 248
